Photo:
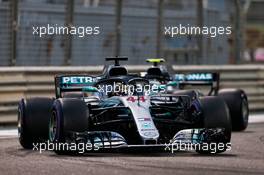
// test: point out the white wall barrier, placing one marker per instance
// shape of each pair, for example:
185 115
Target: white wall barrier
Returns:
26 82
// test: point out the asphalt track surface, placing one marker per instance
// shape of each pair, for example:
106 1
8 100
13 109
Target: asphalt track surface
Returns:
246 157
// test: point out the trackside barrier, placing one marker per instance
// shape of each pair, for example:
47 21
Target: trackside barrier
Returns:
26 82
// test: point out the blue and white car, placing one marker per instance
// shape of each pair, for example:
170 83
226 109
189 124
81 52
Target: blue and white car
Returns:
85 111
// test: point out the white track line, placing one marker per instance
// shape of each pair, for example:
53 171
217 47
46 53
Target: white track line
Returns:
256 118
10 133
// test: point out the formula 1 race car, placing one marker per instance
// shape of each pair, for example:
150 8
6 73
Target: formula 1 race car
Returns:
184 84
105 113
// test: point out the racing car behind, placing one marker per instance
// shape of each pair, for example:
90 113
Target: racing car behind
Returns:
187 83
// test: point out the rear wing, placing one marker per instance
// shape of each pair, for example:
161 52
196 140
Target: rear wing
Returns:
197 79
71 83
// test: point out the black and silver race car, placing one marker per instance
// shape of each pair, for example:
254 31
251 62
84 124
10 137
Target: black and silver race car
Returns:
188 83
87 110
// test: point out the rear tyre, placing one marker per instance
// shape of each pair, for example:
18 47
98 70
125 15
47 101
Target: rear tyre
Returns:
33 121
237 103
216 115
68 115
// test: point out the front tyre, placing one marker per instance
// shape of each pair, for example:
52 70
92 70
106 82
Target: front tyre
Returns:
215 115
237 103
33 121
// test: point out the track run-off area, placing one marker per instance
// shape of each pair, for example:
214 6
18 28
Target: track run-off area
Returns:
245 157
